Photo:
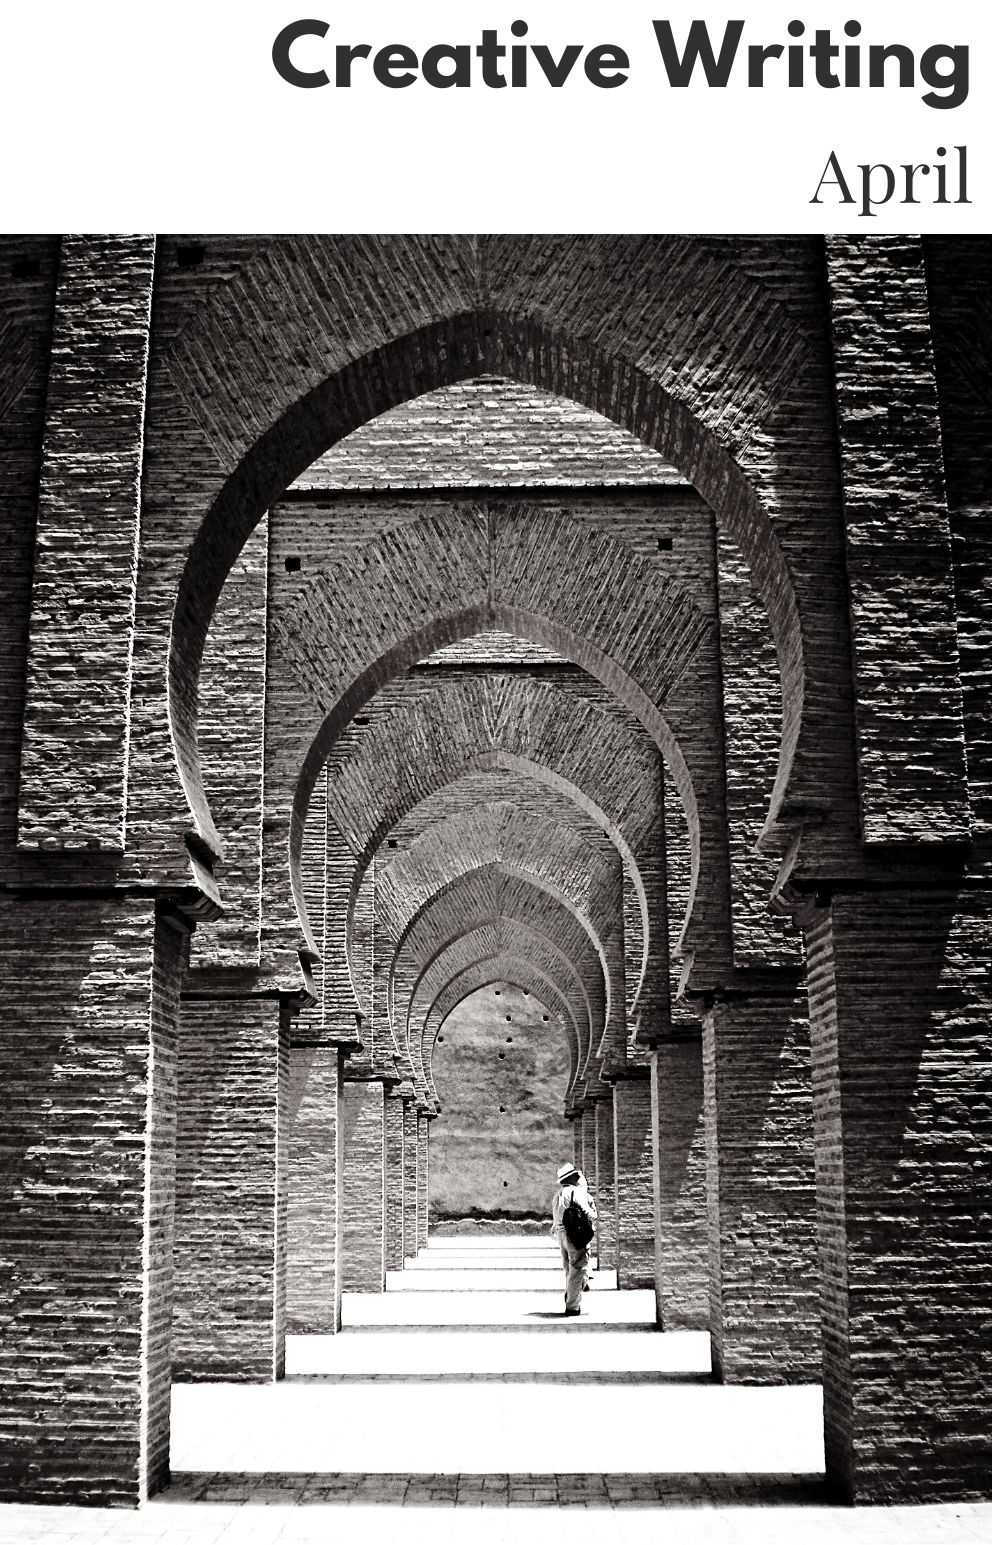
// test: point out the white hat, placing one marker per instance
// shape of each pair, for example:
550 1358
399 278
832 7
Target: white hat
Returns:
564 1170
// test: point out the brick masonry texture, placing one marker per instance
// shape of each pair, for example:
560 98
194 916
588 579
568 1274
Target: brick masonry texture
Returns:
761 1192
632 1139
492 601
903 1187
488 432
911 754
681 1243
605 1181
316 1154
500 1080
363 1195
230 1062
92 1049
77 705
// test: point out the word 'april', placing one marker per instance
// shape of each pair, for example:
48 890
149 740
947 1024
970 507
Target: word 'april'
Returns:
822 61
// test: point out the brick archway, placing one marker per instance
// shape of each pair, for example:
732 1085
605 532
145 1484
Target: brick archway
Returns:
424 939
515 971
564 745
514 941
524 938
486 617
449 352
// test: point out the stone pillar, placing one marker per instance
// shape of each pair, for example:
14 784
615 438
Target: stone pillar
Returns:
635 1182
606 1185
423 1177
313 1272
232 1175
409 1178
761 1204
900 1006
577 1154
89 998
680 1229
394 1107
364 1264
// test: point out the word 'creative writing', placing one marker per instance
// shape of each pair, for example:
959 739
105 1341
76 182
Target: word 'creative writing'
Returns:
810 57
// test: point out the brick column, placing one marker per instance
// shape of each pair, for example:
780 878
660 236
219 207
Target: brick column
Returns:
680 1229
72 791
761 1187
900 1005
635 1182
88 1008
423 1177
606 1184
313 1271
394 1110
364 1264
232 1176
409 1177
577 1154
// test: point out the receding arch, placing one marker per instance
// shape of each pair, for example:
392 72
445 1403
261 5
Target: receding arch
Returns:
473 873
489 937
451 629
528 767
442 353
514 972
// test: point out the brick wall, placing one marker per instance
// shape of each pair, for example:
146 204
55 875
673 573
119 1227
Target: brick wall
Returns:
635 1189
761 1188
363 1246
900 1004
395 1178
313 1289
233 1072
88 1102
605 1184
680 1225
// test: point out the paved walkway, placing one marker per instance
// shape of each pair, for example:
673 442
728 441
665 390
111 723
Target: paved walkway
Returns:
612 1437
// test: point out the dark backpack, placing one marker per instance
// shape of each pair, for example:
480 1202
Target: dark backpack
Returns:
577 1225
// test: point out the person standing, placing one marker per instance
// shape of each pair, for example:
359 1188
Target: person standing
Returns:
572 1192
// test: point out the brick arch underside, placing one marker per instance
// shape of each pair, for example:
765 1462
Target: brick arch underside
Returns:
524 842
562 741
675 344
527 943
544 578
511 939
488 894
502 888
514 972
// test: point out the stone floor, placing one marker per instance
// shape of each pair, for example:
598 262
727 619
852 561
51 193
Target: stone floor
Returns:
422 1429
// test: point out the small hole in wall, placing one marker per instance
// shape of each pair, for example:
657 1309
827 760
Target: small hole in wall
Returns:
502 1055
362 721
544 1016
509 1040
526 993
25 268
507 1016
502 1108
294 565
190 257
497 992
664 544
391 842
440 1039
505 1183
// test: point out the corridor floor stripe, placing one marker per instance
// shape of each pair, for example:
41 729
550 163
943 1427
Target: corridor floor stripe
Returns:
508 1307
616 1353
496 1428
